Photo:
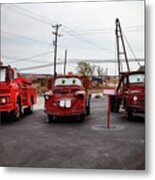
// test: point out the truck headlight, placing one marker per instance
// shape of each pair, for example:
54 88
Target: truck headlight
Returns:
46 97
3 100
135 98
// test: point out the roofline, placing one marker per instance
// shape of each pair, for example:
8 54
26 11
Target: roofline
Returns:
67 76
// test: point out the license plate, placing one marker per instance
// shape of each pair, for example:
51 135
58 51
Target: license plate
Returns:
66 103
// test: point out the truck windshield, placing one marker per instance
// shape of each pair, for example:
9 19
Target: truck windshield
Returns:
67 81
136 78
2 74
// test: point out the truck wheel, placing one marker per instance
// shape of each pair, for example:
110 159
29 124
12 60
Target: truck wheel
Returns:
50 118
114 104
129 114
30 108
18 110
88 108
82 117
117 106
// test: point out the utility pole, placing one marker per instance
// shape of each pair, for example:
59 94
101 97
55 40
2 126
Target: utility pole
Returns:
65 61
56 27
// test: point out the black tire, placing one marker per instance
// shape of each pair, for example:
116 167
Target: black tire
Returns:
117 106
88 108
82 117
129 114
114 104
18 112
30 108
50 118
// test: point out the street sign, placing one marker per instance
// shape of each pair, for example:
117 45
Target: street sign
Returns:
108 91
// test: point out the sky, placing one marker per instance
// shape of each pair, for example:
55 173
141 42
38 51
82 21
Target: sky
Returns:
87 31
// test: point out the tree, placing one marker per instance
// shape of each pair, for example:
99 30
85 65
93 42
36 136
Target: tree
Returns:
101 71
85 69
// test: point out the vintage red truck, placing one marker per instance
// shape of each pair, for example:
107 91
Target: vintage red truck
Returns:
17 95
130 93
68 96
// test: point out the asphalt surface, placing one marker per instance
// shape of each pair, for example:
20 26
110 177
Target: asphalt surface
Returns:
31 142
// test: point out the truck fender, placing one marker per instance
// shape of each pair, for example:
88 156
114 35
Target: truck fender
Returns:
16 96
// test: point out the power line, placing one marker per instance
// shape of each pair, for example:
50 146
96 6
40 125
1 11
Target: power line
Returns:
131 50
27 14
38 67
107 30
86 41
82 48
51 20
24 37
87 33
28 59
70 32
75 60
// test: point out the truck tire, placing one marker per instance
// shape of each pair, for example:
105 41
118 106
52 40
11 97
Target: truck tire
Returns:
117 106
114 104
130 114
82 117
30 108
18 110
50 118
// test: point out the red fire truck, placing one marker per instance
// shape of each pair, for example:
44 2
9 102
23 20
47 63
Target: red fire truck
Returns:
68 97
17 95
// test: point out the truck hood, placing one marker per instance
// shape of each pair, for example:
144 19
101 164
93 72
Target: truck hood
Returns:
136 88
4 87
66 89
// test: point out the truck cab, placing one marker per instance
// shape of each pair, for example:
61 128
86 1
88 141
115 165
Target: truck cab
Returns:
68 96
16 93
130 93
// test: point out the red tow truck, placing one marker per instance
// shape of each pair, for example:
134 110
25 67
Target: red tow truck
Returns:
130 92
68 96
17 95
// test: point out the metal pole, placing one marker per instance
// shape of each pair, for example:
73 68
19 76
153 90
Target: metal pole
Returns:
117 42
65 61
55 46
120 35
108 113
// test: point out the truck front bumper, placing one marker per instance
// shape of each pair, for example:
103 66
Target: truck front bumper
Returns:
64 112
8 107
137 109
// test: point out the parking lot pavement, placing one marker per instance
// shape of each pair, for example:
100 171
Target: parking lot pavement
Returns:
31 142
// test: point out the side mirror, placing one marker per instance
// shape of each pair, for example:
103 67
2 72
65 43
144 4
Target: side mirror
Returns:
50 84
86 82
7 78
8 75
